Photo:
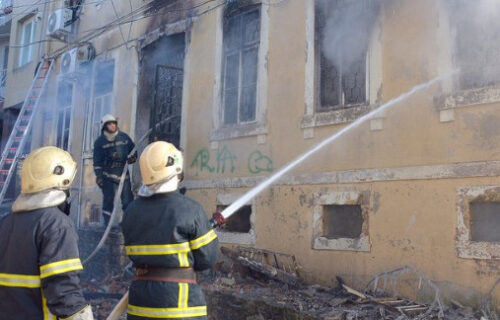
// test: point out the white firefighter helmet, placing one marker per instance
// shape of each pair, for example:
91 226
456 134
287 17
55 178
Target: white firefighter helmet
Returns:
160 162
47 168
108 118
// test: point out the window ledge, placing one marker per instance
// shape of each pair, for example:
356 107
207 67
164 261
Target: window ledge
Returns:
334 117
343 244
237 131
236 238
469 97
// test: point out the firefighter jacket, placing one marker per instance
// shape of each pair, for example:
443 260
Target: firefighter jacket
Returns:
39 266
168 230
110 157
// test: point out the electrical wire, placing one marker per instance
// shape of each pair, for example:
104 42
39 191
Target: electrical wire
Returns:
132 18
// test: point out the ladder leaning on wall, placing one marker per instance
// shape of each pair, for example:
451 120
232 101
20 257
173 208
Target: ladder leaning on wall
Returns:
20 132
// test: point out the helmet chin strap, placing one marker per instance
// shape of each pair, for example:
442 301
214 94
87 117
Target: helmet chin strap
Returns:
163 187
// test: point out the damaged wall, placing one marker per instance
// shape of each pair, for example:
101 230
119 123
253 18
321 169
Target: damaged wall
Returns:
406 166
414 158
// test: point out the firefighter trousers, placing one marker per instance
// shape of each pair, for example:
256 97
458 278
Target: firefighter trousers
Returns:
167 300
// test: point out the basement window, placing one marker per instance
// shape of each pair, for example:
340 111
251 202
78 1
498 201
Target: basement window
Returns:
342 221
239 228
485 221
478 210
239 222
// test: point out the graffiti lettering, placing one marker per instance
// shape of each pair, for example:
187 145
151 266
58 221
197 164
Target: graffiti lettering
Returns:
223 156
257 163
201 160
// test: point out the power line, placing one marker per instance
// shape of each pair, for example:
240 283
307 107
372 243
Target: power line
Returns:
117 22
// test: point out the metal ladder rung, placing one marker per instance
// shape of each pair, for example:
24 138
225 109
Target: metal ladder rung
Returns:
22 125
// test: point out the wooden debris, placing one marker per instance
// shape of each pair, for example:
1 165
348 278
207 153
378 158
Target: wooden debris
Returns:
404 307
269 268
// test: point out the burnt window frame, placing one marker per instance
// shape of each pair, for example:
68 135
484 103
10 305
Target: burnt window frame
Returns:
319 66
232 11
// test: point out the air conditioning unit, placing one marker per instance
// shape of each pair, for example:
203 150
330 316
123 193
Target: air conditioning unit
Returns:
70 62
56 26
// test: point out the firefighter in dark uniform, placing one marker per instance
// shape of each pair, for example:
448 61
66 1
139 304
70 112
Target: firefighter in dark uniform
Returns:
168 237
111 152
39 260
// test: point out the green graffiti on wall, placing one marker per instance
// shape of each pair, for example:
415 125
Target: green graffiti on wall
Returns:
225 156
202 160
258 162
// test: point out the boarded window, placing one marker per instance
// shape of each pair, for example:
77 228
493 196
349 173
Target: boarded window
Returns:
476 42
241 47
485 221
239 222
341 39
342 221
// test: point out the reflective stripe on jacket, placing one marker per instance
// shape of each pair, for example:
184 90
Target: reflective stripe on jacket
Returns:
39 266
110 157
168 231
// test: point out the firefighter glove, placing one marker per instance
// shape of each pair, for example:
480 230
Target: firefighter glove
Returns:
132 159
84 314
217 220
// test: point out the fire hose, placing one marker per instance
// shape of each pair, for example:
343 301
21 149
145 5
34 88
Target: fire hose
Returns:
119 192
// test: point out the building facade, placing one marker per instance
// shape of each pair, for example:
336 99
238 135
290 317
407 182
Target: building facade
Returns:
245 87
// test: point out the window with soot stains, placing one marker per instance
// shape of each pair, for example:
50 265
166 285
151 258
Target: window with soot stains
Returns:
342 33
240 63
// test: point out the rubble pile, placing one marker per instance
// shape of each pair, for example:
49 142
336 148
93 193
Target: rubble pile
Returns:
247 288
251 284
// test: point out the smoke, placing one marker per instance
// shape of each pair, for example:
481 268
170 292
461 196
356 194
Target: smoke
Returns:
346 27
475 27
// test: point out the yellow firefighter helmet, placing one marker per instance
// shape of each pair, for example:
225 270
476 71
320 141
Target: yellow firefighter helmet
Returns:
160 162
108 118
47 168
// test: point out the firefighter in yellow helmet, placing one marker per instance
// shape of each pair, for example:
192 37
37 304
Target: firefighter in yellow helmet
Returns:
168 237
39 259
